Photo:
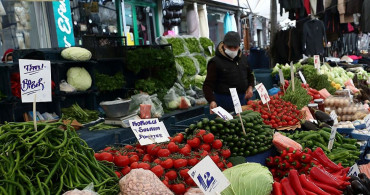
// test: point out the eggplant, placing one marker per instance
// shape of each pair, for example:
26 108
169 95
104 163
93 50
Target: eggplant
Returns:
364 180
348 190
358 188
322 124
323 117
308 125
353 178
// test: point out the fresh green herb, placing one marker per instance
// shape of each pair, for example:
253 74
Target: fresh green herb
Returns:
109 83
206 43
202 64
177 45
193 44
81 115
187 64
315 80
102 126
299 96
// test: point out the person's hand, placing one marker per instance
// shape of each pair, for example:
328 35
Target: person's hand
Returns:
248 93
211 106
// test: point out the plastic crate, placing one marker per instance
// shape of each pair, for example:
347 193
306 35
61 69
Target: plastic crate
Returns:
51 54
362 137
102 47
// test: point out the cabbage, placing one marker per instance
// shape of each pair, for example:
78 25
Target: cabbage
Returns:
79 78
248 178
350 75
76 54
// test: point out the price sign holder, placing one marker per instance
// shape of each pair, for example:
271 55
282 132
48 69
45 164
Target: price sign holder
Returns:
292 75
316 60
302 77
208 177
222 113
334 116
282 80
332 137
265 98
238 107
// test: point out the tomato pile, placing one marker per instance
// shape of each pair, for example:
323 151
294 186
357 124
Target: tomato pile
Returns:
310 91
170 161
281 113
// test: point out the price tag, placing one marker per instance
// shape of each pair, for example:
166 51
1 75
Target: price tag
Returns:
281 77
332 137
222 113
210 48
302 77
354 170
292 75
149 131
316 60
263 93
35 80
236 101
367 121
208 177
334 116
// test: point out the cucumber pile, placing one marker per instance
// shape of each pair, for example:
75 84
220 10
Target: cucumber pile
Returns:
258 137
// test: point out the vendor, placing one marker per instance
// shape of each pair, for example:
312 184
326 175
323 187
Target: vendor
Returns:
228 69
8 56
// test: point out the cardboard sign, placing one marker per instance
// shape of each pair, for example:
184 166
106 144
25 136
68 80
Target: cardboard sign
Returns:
236 101
367 121
354 170
263 93
281 77
302 77
316 61
334 116
149 131
332 137
35 78
208 177
222 113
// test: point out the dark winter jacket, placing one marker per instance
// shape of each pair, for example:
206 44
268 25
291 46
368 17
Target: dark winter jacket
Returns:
224 73
314 36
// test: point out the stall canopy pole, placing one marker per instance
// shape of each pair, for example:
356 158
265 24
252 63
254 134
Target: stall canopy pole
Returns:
273 22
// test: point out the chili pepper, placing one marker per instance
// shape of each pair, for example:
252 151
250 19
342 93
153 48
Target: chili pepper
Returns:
277 189
308 192
326 188
283 154
287 189
270 161
324 177
310 186
289 158
273 172
279 173
324 160
284 165
307 150
289 150
294 181
296 164
296 154
306 158
314 163
277 160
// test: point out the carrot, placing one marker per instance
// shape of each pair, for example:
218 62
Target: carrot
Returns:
282 142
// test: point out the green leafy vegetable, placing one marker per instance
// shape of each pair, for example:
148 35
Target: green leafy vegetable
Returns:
202 64
299 96
248 178
315 80
109 83
187 64
81 115
193 45
205 42
177 45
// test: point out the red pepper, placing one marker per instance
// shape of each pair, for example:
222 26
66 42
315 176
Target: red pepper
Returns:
324 177
289 149
289 157
279 173
307 150
296 164
324 160
296 154
294 181
283 154
327 188
345 170
306 158
287 189
308 192
277 189
310 186
270 161
277 160
273 172
284 165
314 163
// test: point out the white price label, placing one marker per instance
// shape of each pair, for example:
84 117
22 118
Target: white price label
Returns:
149 131
208 177
210 49
367 121
334 116
35 78
281 77
354 170
263 93
332 137
302 77
316 60
236 101
222 113
292 75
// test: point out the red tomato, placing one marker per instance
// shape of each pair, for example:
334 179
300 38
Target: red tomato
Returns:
106 156
172 175
194 142
178 188
208 138
97 156
129 147
205 147
217 144
167 164
177 139
157 161
215 158
226 153
152 149
157 170
184 173
172 147
193 161
290 123
220 165
125 170
134 165
143 165
134 158
147 158
185 151
118 174
140 151
107 149
178 163
121 161
200 133
190 181
229 165
163 153
204 153
165 182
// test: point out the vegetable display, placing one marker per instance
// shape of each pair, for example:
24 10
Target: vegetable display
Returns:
79 78
49 161
188 65
345 150
169 161
178 45
316 80
206 43
81 115
109 83
202 64
248 178
192 44
298 97
257 139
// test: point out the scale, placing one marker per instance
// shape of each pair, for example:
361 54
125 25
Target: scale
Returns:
123 121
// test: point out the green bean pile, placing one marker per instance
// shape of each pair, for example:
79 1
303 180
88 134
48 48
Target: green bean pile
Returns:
49 161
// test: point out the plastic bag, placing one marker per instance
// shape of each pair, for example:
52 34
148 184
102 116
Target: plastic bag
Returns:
145 111
88 190
193 44
201 101
184 103
157 108
140 181
64 86
178 44
143 98
171 99
194 191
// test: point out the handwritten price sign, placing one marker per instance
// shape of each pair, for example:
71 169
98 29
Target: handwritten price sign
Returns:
35 80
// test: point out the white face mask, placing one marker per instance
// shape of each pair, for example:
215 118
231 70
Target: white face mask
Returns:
230 53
